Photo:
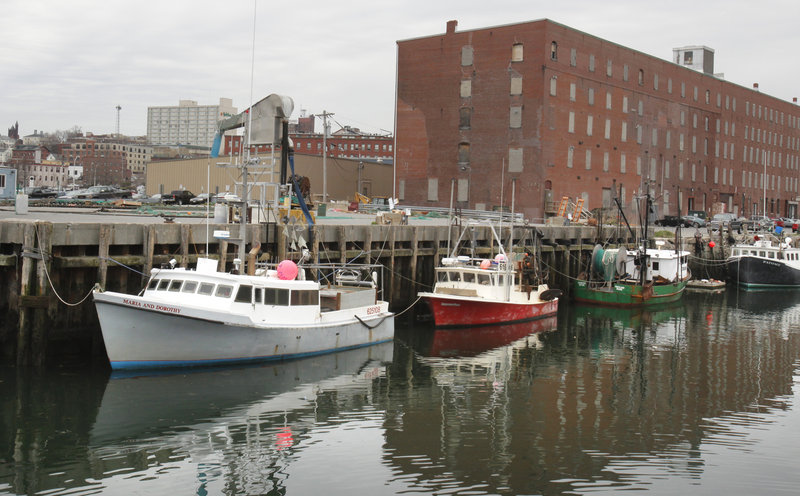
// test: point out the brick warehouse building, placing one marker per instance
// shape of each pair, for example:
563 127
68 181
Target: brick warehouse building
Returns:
569 114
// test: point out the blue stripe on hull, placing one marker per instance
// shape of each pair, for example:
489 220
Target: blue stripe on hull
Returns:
157 364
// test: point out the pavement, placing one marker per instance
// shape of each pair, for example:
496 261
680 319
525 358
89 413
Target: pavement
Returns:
99 215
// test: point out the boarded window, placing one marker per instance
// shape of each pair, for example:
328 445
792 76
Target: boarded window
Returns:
515 160
553 86
466 55
466 88
516 85
433 189
463 190
516 52
573 57
515 117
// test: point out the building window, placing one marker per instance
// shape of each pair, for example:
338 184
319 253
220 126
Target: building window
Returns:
591 96
463 154
608 68
622 166
641 77
465 114
573 57
554 51
553 82
625 72
516 85
589 122
588 159
591 63
572 91
570 156
571 124
515 160
463 190
515 117
466 88
516 52
433 189
466 55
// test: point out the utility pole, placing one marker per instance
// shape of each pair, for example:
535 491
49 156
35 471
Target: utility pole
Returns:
325 116
118 109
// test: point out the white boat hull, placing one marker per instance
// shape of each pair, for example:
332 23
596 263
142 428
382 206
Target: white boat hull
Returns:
137 337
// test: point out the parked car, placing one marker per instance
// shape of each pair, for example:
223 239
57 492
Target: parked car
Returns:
726 221
669 220
202 198
693 221
178 196
38 192
103 192
698 213
758 223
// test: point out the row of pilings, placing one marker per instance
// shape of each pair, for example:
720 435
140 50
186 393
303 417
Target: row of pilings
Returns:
49 269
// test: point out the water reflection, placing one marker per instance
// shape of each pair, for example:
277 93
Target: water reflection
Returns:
596 400
202 429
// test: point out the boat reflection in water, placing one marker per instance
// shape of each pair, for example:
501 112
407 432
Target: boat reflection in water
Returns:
205 417
471 341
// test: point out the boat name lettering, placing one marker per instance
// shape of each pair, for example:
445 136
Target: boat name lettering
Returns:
150 306
373 310
769 262
619 288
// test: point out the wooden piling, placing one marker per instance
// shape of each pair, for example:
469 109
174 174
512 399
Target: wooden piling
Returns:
104 240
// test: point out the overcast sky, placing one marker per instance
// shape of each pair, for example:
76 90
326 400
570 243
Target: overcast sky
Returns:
65 64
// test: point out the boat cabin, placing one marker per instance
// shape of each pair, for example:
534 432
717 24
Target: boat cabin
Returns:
766 249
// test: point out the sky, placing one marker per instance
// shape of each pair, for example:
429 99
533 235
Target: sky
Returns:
68 64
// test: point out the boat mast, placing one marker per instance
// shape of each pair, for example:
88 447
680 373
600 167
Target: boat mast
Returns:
243 216
510 254
643 257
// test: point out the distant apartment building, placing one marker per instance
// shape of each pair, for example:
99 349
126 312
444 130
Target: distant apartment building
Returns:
562 113
188 123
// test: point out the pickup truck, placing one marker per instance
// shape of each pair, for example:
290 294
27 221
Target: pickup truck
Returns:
178 196
726 220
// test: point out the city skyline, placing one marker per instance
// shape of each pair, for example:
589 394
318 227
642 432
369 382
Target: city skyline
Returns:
67 65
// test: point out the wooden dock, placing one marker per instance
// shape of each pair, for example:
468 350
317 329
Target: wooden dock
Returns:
49 269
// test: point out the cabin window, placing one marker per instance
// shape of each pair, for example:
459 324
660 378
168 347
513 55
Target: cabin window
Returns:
189 287
244 294
259 295
224 291
305 297
276 296
655 265
484 279
175 285
771 254
762 254
780 255
735 253
455 276
469 277
206 288
153 284
163 285
442 275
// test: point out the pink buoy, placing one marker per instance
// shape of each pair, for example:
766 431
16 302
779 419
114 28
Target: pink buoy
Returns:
287 270
500 258
711 244
486 264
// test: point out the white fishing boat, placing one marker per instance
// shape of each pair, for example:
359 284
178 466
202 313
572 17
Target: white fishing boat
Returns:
201 317
268 312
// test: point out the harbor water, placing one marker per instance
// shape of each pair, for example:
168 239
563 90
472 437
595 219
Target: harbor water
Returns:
695 398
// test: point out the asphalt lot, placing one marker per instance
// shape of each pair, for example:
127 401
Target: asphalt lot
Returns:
97 214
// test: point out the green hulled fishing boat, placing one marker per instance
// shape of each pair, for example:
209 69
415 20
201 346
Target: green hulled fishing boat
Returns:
641 277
